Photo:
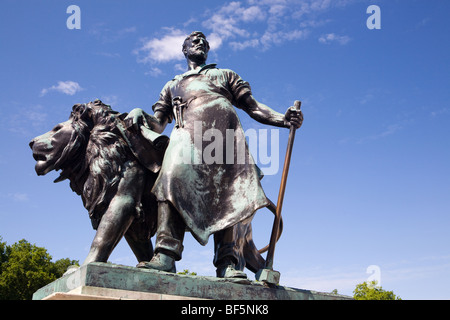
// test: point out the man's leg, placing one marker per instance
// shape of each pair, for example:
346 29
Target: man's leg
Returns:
228 255
169 239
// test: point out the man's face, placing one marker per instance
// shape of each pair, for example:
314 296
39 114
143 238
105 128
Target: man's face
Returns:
197 48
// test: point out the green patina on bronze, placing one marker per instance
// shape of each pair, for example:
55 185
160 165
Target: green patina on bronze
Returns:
219 195
106 275
135 182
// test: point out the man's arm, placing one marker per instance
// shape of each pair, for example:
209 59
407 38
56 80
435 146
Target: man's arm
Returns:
156 122
262 113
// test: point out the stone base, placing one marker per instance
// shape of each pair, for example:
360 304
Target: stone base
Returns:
105 281
97 293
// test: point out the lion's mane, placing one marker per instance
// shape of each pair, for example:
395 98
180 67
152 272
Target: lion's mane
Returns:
94 159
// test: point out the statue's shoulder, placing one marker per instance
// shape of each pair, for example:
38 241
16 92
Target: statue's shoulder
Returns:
226 71
171 82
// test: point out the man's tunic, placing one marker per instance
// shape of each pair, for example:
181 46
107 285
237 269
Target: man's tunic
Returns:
208 173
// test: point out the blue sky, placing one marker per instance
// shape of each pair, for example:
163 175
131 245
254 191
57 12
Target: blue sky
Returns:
369 180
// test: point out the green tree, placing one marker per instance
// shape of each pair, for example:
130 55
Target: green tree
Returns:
370 291
4 253
187 272
24 268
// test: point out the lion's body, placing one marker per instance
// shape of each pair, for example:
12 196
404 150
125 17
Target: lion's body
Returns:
92 154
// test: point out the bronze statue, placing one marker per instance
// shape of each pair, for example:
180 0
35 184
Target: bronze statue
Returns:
135 182
216 198
112 169
113 164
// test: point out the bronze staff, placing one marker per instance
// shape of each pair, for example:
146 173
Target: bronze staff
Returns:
268 274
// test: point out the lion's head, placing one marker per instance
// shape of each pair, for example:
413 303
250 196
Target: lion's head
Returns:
88 149
62 146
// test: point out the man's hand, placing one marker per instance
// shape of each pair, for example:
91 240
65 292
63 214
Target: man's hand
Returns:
138 117
135 118
293 117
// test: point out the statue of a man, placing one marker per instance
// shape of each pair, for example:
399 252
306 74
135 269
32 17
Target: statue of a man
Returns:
199 196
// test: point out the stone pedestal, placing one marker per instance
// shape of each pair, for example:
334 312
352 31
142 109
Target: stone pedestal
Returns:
105 281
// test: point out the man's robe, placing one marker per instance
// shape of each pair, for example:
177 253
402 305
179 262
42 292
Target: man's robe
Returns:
207 172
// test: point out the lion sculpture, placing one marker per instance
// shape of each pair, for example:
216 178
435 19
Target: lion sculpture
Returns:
113 167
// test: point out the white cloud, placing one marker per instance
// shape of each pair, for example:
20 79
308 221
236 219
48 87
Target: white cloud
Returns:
111 100
253 43
252 13
225 22
389 130
332 37
386 132
235 21
277 9
66 87
320 4
27 120
215 41
154 71
278 37
232 21
18 197
441 111
180 67
164 49
242 25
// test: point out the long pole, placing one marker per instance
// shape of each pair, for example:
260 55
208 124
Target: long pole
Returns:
276 223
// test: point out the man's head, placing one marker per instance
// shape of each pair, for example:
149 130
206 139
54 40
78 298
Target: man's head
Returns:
196 47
